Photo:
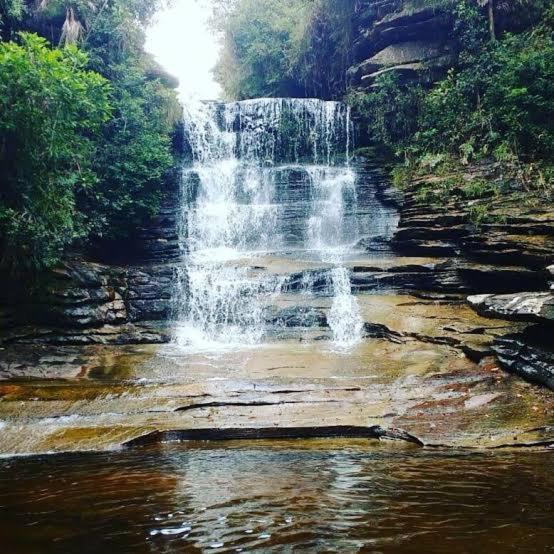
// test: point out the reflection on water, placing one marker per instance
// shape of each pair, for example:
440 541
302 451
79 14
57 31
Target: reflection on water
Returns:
295 496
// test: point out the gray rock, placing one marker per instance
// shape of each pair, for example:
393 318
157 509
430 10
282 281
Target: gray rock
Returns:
414 43
526 306
529 354
401 54
297 316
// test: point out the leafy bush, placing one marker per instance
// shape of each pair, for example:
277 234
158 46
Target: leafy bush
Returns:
11 13
51 108
497 105
134 152
479 188
285 48
389 111
494 103
132 158
80 160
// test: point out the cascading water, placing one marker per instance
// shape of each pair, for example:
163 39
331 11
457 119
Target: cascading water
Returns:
269 177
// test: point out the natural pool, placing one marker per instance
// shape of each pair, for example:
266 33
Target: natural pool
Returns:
286 496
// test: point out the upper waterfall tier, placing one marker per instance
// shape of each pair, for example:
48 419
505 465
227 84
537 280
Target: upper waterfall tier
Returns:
271 130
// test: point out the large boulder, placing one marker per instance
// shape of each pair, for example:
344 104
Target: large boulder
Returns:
410 60
401 26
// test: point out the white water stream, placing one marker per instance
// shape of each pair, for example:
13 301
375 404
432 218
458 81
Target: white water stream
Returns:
269 178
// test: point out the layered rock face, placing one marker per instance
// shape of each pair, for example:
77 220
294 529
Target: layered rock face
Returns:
412 42
509 253
117 301
411 39
507 260
531 353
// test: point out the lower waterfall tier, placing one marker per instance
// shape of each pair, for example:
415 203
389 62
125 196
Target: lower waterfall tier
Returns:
239 217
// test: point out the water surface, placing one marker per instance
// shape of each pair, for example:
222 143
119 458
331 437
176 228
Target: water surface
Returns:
290 496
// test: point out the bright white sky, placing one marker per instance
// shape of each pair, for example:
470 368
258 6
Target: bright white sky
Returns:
182 42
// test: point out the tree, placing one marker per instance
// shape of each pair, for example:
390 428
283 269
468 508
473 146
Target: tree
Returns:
11 13
135 151
490 13
287 48
51 108
79 163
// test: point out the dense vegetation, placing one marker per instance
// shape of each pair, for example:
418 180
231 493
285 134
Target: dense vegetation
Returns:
87 118
496 101
86 124
493 103
285 48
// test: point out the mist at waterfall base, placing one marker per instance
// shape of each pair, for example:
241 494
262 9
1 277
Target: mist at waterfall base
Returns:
266 180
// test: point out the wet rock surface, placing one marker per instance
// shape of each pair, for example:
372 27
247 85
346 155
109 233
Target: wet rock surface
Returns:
527 306
85 302
99 369
297 316
529 354
516 244
409 380
503 266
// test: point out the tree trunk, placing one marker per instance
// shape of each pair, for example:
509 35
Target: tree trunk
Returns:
492 28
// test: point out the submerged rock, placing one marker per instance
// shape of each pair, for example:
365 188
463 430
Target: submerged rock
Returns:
379 331
296 316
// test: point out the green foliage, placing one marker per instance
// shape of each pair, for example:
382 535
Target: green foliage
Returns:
438 192
401 176
76 170
11 13
479 188
134 153
327 49
285 48
479 214
51 108
493 103
496 105
262 40
390 110
132 157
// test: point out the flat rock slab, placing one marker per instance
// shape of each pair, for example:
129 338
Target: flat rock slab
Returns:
418 388
453 409
526 306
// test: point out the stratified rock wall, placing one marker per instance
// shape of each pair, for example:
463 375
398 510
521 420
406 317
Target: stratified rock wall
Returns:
415 43
514 248
106 300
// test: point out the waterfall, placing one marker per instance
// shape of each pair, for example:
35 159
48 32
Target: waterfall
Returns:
267 178
344 317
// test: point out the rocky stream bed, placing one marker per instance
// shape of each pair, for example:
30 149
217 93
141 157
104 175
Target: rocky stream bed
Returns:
446 342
